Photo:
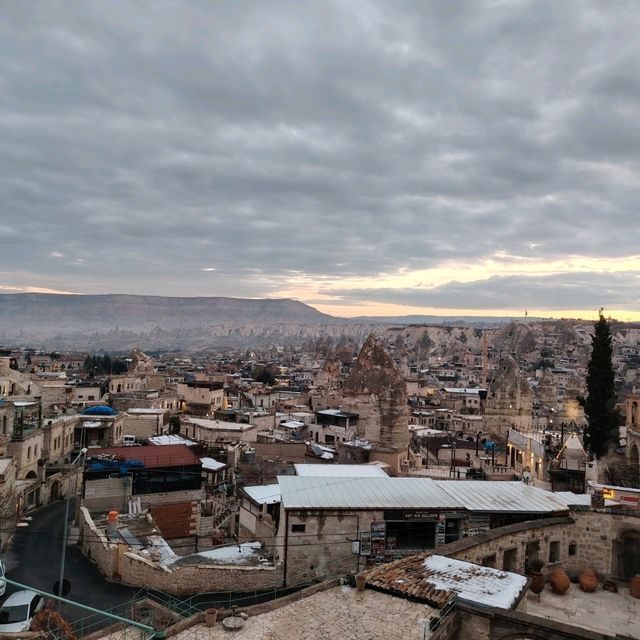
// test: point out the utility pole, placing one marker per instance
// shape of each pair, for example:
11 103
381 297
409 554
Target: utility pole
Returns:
65 533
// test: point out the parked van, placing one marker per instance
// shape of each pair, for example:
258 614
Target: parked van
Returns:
129 441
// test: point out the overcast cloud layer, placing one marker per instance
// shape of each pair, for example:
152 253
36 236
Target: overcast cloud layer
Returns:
337 152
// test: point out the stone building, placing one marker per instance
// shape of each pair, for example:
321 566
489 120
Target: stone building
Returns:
509 400
572 412
339 525
375 390
632 423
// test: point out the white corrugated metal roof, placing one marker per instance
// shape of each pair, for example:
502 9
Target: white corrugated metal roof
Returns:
170 438
364 493
340 471
212 465
480 495
264 493
415 493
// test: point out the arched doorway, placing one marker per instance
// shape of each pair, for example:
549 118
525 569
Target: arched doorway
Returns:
627 554
31 475
54 493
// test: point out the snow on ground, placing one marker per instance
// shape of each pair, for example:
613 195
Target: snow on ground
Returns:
247 553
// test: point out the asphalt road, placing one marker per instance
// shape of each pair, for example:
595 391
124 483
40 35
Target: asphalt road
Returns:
34 560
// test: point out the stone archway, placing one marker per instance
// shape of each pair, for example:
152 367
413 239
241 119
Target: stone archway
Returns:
54 492
31 476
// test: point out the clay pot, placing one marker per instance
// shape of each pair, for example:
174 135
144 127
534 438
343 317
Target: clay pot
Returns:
537 584
210 617
559 581
361 581
588 581
634 587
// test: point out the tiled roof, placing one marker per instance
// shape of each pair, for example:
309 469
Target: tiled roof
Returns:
435 579
406 577
172 455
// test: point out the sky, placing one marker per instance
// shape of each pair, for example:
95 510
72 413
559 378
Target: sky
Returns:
367 158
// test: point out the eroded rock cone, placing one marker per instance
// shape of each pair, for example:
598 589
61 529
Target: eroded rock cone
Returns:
588 581
559 581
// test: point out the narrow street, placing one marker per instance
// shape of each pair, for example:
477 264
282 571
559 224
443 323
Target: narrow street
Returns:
34 559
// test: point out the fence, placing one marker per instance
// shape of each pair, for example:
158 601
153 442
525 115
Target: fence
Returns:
63 619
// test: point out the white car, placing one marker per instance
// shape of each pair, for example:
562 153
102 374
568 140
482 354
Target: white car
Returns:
3 584
18 610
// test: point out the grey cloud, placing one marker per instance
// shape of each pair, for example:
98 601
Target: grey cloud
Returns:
560 291
328 138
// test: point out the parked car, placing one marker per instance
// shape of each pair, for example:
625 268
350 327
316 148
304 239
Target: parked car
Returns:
3 584
18 610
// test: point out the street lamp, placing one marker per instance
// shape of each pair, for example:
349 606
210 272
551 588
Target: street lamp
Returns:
63 552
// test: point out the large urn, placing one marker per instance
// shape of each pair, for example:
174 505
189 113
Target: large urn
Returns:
559 581
588 581
537 583
634 586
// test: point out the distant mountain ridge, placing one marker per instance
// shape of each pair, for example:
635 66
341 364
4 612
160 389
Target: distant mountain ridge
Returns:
65 312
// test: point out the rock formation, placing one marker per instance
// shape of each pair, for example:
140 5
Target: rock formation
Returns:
509 400
375 389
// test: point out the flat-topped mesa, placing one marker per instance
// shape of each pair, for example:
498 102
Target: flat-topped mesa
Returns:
375 389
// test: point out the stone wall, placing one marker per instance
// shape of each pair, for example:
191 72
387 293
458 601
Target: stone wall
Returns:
323 549
106 494
586 539
116 562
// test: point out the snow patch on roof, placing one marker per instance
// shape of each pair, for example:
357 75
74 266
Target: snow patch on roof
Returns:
473 583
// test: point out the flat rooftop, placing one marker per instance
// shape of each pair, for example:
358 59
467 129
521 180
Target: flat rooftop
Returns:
219 425
339 612
340 471
600 611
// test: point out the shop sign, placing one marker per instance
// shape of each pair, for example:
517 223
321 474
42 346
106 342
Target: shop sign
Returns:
411 516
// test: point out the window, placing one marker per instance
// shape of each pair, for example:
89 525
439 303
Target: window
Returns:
35 450
297 528
28 453
489 561
510 560
554 551
573 548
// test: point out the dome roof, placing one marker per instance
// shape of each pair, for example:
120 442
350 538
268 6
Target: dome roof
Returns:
100 410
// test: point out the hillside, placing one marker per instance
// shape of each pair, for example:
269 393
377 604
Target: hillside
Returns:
43 312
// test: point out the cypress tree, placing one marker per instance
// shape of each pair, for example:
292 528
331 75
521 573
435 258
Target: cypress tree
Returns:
601 434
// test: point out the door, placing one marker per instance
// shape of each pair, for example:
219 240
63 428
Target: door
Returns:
629 556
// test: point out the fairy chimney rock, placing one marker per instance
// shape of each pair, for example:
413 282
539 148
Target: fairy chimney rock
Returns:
375 389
